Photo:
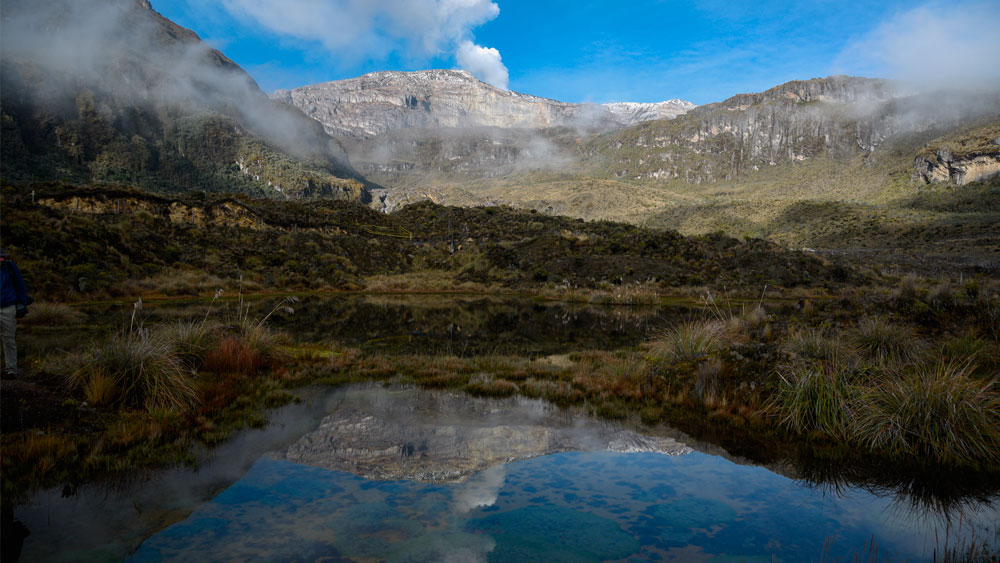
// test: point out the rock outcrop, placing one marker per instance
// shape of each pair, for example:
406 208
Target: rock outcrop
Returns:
415 132
387 101
831 117
944 167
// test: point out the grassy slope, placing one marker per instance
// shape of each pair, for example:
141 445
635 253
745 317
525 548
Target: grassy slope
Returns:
848 203
73 241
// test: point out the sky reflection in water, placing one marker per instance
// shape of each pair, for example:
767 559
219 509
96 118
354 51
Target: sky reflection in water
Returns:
578 506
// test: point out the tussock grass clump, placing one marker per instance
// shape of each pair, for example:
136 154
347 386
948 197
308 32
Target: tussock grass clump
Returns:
606 374
688 341
966 347
560 392
246 352
53 314
266 343
755 318
937 411
627 295
885 342
817 344
135 369
487 385
941 296
100 389
987 314
907 290
251 346
190 340
818 399
233 355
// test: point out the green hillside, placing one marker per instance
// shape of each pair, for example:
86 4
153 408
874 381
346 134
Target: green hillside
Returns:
149 104
74 242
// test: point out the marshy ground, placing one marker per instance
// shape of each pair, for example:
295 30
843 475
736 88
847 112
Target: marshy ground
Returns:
903 378
838 372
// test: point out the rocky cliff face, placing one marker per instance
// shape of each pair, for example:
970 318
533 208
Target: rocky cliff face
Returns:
837 117
111 91
965 156
944 168
414 132
404 127
386 101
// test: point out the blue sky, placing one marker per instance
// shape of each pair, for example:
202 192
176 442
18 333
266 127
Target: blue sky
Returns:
597 51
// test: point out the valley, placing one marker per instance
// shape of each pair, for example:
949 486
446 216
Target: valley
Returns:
412 299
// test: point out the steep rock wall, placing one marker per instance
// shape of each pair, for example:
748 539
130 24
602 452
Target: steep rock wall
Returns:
387 101
945 168
837 116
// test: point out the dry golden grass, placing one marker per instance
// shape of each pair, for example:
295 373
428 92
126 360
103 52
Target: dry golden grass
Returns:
135 369
180 282
233 355
52 314
100 390
689 341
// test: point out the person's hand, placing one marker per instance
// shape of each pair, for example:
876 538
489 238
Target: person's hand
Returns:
22 310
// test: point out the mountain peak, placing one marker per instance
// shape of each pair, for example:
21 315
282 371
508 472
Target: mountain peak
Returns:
383 101
428 74
838 88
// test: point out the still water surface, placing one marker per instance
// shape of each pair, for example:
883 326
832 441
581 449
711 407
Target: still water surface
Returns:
461 325
465 479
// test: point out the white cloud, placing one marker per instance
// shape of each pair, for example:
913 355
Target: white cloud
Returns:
372 29
481 489
933 45
483 62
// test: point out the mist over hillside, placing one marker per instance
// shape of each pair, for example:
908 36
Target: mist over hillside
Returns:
111 91
839 117
443 135
827 162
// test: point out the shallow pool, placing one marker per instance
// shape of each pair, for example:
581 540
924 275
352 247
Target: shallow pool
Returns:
375 474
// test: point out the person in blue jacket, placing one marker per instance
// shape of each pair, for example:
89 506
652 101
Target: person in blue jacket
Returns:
13 305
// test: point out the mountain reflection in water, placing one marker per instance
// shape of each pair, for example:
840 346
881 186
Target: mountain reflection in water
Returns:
450 487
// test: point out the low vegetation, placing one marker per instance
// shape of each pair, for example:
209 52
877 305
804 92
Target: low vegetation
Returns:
98 243
144 396
53 314
801 357
134 369
934 411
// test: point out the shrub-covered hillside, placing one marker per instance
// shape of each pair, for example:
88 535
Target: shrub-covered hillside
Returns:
92 240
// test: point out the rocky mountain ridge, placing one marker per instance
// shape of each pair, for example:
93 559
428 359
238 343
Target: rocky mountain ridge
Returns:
836 117
412 132
379 102
111 91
